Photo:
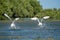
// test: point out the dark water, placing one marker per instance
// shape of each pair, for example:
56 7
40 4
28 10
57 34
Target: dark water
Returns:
29 30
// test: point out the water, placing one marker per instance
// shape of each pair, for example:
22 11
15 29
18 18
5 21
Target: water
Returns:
29 30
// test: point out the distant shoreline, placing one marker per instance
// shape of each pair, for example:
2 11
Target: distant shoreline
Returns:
10 21
23 20
53 20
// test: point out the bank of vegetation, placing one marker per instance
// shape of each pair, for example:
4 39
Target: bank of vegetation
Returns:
26 9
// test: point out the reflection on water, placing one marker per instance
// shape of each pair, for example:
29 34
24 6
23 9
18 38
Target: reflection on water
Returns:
30 31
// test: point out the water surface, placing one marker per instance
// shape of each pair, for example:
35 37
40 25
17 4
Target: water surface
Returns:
30 30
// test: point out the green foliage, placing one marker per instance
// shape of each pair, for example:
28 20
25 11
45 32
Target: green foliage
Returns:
53 13
26 9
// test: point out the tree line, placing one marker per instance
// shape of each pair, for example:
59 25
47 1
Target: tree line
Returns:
26 9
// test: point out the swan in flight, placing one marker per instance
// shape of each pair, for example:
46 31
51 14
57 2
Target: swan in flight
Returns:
12 26
36 19
13 23
40 22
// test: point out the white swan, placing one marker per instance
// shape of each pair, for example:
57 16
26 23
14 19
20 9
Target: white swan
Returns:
13 24
40 22
35 18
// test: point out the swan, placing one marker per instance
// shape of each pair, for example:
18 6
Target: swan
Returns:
13 23
40 22
36 19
